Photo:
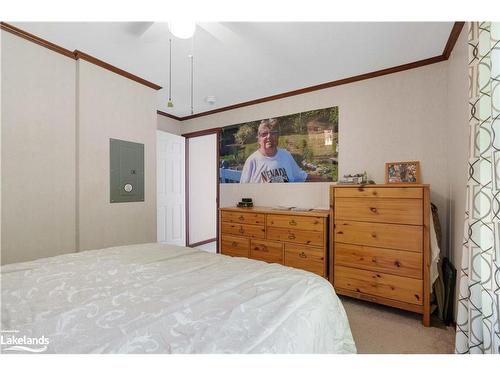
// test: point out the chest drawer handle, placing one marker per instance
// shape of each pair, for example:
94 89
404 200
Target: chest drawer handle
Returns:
241 218
262 248
291 236
292 222
374 235
234 244
373 209
241 230
303 255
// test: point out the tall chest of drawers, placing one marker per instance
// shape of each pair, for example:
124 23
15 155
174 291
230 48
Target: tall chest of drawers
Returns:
292 238
380 248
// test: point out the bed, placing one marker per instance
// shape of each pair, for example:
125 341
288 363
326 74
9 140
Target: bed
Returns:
157 298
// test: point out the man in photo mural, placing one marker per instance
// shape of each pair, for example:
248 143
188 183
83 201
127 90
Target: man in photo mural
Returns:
270 163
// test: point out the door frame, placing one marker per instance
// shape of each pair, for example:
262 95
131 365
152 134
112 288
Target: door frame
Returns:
188 136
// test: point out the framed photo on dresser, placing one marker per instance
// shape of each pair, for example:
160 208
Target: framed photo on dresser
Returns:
402 172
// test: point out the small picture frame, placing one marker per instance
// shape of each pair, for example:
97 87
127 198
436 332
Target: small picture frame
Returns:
402 172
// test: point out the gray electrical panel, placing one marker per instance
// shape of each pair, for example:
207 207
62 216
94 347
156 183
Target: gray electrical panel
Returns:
126 161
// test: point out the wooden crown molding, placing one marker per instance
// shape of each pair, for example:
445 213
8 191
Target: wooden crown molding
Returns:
450 44
76 54
114 69
33 38
452 39
168 115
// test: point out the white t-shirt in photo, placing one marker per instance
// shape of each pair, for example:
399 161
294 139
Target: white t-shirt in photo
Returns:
278 168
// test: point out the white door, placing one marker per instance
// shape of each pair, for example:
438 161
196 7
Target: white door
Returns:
170 179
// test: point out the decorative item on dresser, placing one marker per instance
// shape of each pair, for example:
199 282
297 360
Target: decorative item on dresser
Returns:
380 247
294 239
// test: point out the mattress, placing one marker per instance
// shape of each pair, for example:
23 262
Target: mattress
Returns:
157 298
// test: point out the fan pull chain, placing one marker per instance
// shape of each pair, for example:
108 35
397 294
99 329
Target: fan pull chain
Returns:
192 83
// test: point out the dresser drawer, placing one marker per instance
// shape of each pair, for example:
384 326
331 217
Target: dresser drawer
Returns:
392 192
267 251
296 222
242 217
295 235
254 231
307 258
379 284
391 236
395 262
382 210
235 246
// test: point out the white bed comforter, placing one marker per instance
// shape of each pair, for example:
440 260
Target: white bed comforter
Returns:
155 298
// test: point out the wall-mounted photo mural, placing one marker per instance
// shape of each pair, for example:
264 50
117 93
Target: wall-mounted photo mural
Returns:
302 147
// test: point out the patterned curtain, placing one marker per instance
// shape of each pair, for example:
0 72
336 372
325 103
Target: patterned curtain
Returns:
478 324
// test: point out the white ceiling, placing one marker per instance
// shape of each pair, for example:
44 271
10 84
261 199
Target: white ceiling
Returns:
241 61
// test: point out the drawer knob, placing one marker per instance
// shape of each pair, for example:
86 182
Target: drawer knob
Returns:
373 209
241 230
291 236
292 222
303 255
241 218
374 235
263 248
234 244
397 263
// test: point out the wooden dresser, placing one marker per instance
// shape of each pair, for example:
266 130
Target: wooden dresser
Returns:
380 244
292 238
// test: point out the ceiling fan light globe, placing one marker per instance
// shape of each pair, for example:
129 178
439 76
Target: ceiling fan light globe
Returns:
182 29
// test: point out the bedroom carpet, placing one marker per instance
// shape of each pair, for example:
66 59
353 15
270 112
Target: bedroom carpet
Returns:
386 330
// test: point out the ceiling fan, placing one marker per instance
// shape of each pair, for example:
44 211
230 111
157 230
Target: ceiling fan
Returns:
175 33
151 31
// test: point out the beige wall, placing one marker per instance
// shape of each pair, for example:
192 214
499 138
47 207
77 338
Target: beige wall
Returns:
38 151
111 106
169 125
457 142
400 116
57 117
408 115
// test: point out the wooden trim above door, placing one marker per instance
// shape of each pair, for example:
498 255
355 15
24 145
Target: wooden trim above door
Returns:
201 133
